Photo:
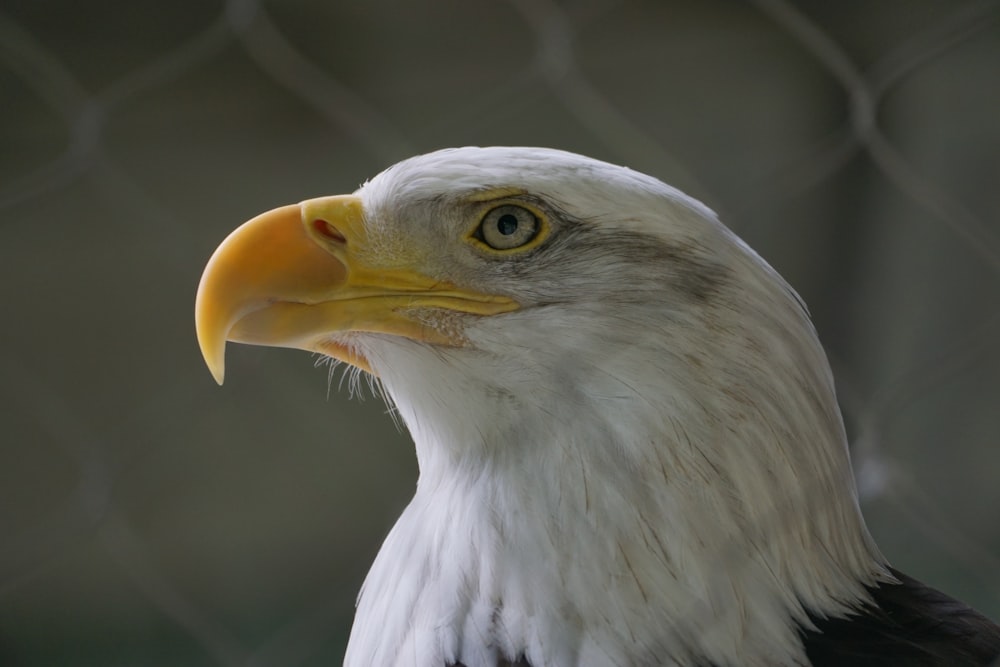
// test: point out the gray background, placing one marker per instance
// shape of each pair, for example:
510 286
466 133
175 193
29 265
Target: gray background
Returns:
148 517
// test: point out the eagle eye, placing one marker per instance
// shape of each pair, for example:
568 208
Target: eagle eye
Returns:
507 227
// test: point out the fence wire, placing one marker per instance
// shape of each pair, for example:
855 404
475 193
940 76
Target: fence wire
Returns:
147 517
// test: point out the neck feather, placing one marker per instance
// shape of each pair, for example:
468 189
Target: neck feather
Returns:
564 515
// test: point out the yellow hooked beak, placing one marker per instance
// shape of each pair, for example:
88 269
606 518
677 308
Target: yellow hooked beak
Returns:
298 275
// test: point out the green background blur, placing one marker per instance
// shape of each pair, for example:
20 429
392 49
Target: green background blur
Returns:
149 517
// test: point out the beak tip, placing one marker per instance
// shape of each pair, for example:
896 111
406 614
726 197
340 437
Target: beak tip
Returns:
211 327
217 365
214 354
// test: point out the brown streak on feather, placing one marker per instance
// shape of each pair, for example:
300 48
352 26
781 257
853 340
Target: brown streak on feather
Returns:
638 583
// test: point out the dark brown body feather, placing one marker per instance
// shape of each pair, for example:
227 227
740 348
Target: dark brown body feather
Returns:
910 625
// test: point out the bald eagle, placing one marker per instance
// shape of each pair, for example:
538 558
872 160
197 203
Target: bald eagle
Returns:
629 444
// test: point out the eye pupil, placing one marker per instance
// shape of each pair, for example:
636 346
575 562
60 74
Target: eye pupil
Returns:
507 224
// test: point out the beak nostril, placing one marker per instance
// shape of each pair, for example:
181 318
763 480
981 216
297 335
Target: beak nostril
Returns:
327 230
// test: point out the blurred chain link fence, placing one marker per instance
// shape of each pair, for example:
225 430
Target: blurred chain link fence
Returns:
148 517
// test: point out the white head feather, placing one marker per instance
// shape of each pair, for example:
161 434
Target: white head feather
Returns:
645 464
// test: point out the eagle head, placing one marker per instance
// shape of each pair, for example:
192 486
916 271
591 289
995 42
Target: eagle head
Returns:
628 438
